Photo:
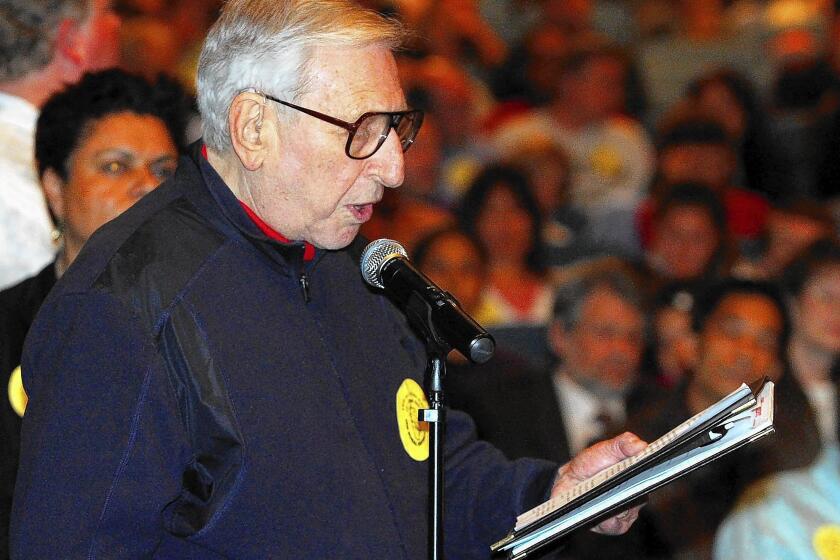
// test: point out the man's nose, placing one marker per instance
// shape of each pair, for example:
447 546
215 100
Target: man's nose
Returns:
388 163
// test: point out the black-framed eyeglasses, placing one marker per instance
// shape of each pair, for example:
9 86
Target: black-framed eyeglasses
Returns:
370 130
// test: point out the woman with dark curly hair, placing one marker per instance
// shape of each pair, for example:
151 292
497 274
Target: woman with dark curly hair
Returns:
500 210
100 146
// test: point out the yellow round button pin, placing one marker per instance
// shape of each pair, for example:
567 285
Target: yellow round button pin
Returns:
17 395
827 542
606 162
413 433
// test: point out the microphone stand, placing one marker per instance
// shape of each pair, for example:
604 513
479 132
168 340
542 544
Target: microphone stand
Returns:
419 314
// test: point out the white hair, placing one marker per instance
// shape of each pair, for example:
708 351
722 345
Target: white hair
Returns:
28 30
267 44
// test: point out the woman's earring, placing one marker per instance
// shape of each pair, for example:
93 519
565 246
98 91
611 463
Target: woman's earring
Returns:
57 232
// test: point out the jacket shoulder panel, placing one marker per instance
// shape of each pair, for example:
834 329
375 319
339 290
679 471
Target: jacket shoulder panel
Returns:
155 264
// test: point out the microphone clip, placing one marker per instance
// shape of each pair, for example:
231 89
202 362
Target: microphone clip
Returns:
420 314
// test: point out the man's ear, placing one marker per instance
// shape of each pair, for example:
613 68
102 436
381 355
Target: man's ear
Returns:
53 186
245 122
69 50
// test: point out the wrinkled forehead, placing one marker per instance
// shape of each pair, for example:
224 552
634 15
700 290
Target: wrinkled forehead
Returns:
360 78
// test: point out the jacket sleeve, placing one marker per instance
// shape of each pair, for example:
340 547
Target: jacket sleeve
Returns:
484 491
102 444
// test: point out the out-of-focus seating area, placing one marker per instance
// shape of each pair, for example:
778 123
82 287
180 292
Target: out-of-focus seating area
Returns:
635 194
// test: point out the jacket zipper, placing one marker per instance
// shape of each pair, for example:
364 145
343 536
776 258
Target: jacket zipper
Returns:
303 280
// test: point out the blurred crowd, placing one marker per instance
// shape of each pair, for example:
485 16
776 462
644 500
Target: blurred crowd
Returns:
638 198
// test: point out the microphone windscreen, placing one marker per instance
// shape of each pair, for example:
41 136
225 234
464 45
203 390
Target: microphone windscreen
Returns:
375 255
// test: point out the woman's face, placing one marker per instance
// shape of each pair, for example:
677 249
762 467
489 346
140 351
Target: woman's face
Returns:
122 157
504 226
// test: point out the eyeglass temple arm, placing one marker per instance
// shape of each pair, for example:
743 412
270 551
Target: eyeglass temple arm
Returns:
332 120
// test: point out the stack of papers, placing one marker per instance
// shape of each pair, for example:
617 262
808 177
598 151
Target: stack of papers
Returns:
739 418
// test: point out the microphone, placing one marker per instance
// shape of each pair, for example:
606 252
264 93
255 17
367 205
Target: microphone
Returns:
385 265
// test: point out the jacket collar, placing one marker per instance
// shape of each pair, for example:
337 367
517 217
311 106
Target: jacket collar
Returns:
236 215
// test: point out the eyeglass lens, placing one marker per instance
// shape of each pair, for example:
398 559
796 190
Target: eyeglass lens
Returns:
374 129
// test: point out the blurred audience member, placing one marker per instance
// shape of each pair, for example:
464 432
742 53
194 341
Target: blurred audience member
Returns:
414 210
656 19
565 234
131 8
191 20
802 107
698 150
510 19
458 103
607 22
742 330
729 98
423 163
591 19
689 240
597 336
574 17
669 64
457 261
100 145
149 46
792 225
529 75
501 211
43 46
612 159
812 282
790 515
455 30
674 345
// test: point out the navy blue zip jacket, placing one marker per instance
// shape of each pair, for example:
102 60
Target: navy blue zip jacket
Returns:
188 401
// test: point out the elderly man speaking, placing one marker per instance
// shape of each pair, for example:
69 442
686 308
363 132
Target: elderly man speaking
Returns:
213 379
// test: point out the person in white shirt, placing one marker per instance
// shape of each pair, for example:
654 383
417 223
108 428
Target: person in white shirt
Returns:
43 46
612 158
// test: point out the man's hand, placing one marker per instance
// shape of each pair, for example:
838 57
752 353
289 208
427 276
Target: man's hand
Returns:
591 461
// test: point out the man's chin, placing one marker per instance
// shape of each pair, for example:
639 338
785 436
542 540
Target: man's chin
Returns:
334 241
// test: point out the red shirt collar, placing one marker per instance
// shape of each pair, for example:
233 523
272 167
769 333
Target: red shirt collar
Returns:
308 248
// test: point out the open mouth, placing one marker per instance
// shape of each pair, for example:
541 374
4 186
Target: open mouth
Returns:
362 212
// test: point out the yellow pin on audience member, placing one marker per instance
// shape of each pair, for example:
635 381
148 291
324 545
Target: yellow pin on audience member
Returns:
17 395
827 542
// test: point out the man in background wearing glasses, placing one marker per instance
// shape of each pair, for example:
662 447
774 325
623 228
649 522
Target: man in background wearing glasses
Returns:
212 378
